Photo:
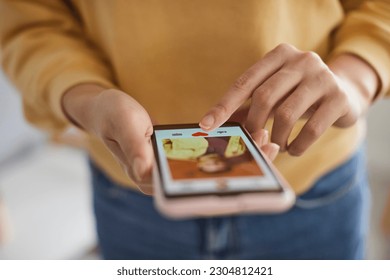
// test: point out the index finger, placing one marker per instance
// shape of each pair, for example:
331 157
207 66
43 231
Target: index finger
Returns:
242 89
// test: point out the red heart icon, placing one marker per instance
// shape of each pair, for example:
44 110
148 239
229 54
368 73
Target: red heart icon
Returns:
199 134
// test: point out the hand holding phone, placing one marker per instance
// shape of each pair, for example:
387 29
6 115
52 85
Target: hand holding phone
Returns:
118 121
221 172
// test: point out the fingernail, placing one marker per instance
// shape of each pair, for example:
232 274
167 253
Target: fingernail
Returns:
264 137
138 168
207 121
275 151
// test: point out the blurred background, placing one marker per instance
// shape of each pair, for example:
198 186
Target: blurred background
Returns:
45 202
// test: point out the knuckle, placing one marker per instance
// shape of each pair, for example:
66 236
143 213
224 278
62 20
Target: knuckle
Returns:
262 97
284 48
311 57
221 109
296 150
242 82
291 73
326 76
337 95
314 130
341 96
132 115
120 113
281 53
129 117
323 81
285 114
284 51
334 88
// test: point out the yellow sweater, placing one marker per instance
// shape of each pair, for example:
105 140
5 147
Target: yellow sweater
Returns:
178 57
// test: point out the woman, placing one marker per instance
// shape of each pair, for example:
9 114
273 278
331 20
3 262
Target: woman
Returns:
307 69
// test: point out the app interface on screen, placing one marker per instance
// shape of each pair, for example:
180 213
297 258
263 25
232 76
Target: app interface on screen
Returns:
222 160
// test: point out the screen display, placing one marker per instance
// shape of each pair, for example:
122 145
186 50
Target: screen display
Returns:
193 161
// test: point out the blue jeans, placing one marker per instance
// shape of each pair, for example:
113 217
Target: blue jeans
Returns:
328 222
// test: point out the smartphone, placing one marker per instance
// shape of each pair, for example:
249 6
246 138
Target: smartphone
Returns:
220 172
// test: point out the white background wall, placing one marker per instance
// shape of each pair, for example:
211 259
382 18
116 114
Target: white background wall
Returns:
378 141
45 189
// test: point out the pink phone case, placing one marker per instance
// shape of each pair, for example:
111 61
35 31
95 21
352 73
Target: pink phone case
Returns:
215 205
219 205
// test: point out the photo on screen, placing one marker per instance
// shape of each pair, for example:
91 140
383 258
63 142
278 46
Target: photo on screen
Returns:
209 157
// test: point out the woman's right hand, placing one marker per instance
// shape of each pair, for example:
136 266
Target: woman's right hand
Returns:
120 122
125 127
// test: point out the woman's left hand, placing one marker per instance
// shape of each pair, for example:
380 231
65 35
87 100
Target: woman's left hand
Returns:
289 84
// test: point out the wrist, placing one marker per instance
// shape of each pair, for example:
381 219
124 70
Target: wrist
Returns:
78 104
358 78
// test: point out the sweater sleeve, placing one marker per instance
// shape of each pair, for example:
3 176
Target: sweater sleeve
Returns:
44 52
365 32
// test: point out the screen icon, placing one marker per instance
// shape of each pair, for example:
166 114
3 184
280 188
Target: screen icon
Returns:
199 133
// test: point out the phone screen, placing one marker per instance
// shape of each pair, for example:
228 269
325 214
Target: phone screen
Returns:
225 161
